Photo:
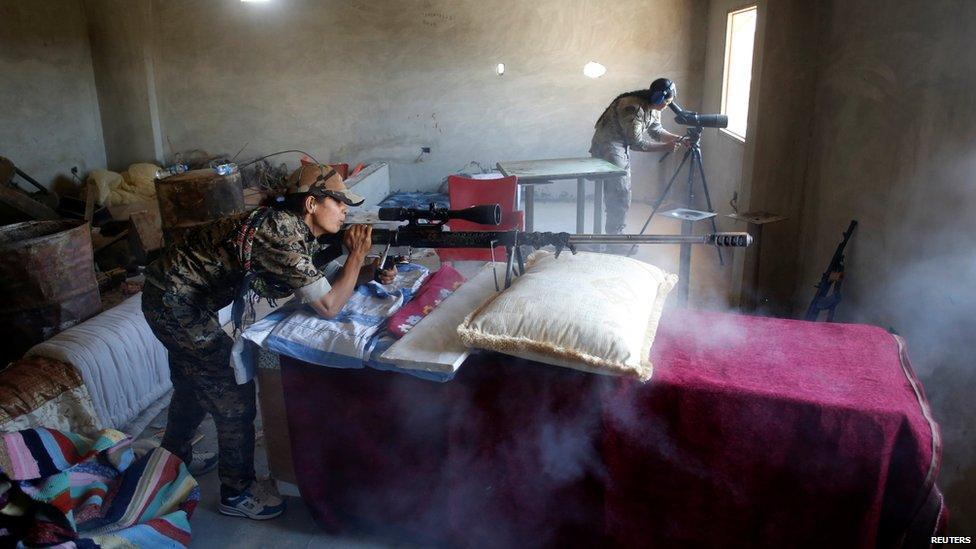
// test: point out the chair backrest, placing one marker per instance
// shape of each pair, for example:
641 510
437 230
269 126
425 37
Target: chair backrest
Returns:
464 192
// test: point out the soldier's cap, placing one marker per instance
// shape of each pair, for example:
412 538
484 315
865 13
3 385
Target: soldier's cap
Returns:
321 180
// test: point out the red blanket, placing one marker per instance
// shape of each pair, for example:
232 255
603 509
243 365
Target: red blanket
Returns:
753 431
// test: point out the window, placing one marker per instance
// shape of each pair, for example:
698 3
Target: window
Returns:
739 41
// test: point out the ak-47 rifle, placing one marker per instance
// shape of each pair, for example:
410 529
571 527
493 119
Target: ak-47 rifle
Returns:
832 277
425 229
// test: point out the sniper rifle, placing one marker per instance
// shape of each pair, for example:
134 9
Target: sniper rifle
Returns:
425 229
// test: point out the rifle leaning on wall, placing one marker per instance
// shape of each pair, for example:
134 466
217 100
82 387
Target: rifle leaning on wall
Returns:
425 229
832 278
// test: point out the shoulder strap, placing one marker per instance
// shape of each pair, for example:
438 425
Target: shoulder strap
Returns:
243 243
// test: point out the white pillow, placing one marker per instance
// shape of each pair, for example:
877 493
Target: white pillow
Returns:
592 312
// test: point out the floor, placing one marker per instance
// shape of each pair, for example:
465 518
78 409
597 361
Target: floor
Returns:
296 528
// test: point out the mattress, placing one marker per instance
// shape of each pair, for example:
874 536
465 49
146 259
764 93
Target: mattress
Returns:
123 365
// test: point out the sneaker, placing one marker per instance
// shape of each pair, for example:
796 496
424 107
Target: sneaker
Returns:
258 502
202 463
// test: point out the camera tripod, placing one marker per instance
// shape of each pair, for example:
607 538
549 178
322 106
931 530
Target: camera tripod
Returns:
693 137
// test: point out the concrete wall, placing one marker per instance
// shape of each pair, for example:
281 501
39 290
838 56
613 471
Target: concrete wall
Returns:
893 145
122 57
781 104
49 116
864 113
364 81
722 158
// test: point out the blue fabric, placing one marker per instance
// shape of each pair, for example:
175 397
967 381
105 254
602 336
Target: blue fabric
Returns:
354 339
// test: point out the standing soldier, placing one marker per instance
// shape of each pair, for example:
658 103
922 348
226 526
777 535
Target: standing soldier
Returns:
268 251
631 121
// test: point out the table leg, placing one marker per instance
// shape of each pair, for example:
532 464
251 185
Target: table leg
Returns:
598 206
580 204
529 207
684 266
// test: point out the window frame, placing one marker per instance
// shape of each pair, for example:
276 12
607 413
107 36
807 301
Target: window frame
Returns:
728 59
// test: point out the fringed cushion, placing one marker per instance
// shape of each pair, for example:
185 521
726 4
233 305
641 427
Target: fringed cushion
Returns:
592 312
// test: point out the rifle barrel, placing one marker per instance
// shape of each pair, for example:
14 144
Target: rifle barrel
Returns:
436 238
715 239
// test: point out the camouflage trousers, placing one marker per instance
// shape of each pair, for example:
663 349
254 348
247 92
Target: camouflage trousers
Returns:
616 192
203 381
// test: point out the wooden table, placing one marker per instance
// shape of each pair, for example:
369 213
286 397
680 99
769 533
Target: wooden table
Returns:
541 172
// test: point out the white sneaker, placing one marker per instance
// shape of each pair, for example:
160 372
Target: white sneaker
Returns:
202 463
260 501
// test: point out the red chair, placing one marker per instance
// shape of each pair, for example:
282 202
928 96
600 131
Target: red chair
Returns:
465 192
341 169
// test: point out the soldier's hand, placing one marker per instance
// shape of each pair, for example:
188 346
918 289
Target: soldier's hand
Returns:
384 276
358 240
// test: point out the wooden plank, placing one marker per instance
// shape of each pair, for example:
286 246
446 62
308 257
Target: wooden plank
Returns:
89 202
25 204
145 235
560 168
433 344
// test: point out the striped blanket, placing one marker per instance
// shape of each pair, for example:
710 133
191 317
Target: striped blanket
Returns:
59 488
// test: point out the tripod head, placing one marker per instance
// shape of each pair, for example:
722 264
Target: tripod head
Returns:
693 136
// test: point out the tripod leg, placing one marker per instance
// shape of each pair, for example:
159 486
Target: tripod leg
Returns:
664 194
667 189
708 200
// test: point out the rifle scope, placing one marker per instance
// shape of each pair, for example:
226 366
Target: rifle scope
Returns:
489 214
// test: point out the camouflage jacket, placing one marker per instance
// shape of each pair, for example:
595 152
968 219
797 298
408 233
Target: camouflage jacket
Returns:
629 122
205 269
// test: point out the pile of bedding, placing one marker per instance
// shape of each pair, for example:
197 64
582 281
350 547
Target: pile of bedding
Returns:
60 488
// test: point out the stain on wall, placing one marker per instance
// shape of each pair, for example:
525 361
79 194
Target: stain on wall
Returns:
48 106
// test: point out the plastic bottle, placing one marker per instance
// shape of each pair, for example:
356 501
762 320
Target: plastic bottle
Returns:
226 169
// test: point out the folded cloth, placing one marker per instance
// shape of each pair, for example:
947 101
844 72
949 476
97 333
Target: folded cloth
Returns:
346 341
62 488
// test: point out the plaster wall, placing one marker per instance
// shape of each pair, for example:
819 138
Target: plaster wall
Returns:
893 145
122 58
785 73
722 158
366 81
49 116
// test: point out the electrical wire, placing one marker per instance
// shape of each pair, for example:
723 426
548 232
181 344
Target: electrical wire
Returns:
260 158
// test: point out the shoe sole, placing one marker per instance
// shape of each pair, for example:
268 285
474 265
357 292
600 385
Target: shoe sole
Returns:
235 512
